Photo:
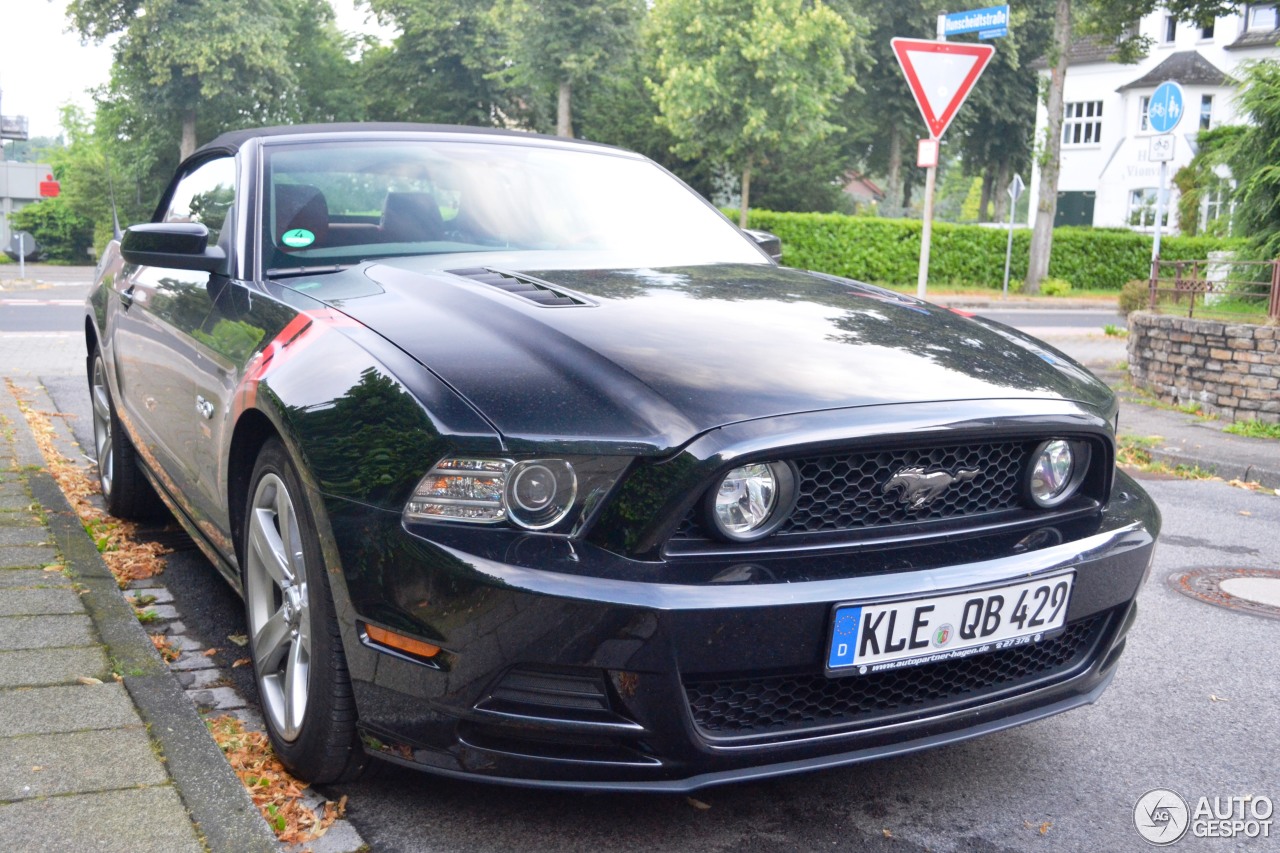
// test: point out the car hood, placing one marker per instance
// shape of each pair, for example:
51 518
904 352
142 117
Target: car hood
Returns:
654 357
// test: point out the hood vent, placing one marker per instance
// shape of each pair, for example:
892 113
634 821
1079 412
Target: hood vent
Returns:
523 286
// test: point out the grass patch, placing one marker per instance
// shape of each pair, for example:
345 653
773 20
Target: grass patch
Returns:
1134 451
1113 331
1254 429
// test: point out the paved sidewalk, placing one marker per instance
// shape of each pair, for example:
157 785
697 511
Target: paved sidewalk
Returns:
92 761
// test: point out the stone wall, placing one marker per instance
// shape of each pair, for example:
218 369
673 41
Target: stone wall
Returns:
1230 370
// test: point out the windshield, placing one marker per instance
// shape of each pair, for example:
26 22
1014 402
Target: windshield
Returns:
343 202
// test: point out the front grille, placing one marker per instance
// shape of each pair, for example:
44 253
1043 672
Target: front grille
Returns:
847 491
782 704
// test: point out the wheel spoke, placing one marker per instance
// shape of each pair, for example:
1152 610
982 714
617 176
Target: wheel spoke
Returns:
295 686
266 543
272 642
101 404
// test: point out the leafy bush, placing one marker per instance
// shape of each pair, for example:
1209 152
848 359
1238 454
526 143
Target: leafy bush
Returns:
887 251
1055 287
1135 296
64 236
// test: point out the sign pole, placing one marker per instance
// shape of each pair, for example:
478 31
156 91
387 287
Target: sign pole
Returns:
1160 193
22 255
926 233
1016 186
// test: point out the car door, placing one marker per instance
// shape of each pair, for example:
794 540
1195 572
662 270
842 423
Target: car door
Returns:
160 362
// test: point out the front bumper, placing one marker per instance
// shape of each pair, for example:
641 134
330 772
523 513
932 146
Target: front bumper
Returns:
555 672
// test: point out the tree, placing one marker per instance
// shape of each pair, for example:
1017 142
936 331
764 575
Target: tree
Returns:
883 117
182 59
442 67
563 44
1109 20
996 127
739 79
1254 157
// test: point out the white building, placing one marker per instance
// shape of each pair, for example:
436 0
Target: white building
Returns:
1106 179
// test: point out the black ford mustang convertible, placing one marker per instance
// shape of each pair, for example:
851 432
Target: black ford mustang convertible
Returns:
531 467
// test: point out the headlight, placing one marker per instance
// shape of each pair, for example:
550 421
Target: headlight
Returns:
751 501
540 492
1057 468
536 494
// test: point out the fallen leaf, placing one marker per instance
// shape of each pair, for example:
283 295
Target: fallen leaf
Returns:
886 833
36 769
698 804
53 568
1245 512
210 652
238 639
1213 698
88 679
241 662
1044 828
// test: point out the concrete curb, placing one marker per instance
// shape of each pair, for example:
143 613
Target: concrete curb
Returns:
210 790
1263 474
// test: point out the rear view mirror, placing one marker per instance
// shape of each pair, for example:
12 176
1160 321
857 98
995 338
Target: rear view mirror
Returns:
177 245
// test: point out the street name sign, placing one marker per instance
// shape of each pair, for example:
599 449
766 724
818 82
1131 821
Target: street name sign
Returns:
940 74
989 23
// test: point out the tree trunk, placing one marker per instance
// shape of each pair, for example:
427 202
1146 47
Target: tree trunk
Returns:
188 145
1047 203
893 204
984 201
564 111
746 194
1000 192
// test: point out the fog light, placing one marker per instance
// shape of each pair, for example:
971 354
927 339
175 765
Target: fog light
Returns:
1057 467
751 501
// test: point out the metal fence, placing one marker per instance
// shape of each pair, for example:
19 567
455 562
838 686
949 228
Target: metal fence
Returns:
1246 291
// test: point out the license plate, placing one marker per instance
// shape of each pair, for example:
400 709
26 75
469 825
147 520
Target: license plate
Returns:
877 637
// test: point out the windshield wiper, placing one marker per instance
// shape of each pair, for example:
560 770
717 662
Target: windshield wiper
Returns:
290 272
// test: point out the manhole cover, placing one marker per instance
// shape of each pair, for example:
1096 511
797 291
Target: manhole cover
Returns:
1255 591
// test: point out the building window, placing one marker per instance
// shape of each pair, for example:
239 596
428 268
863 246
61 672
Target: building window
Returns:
1170 29
1261 17
1144 112
1206 111
1206 32
1082 123
1142 209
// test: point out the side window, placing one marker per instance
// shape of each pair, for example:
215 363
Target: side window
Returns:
205 196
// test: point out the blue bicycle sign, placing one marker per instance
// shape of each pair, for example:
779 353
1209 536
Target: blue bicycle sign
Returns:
1165 108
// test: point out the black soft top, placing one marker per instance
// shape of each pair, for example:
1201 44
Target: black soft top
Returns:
235 139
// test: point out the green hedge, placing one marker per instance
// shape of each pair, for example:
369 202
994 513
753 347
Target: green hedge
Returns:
887 251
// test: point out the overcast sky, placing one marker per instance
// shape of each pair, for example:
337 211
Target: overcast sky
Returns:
43 67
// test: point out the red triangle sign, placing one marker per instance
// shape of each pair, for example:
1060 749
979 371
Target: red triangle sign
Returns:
940 74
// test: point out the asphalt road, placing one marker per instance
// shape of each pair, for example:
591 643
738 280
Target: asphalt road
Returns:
1194 708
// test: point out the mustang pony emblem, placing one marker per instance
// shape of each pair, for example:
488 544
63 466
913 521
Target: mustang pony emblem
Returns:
920 488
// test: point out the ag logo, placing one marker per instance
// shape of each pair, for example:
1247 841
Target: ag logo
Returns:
1161 817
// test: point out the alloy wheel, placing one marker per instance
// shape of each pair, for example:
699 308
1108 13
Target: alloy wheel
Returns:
277 606
103 445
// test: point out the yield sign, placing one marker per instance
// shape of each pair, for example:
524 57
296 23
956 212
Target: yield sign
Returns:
940 74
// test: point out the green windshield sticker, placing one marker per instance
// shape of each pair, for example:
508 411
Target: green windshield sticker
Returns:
298 238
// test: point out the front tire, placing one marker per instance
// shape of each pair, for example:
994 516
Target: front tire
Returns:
294 636
125 491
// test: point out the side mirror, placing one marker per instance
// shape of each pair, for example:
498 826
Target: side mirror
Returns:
177 245
771 243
